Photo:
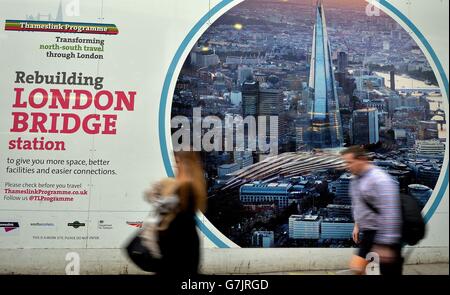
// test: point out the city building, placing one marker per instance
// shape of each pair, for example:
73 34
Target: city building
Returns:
244 73
236 97
339 211
427 130
340 188
342 61
239 60
243 158
365 127
300 131
336 229
430 148
204 57
250 97
264 239
271 104
304 226
326 127
368 82
265 193
226 169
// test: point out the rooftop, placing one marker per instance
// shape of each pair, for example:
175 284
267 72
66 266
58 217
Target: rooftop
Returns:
227 166
304 217
421 187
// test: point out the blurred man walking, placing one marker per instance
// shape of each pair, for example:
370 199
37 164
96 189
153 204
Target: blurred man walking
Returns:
377 213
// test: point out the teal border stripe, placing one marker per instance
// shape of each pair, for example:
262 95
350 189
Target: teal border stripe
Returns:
165 92
163 104
444 78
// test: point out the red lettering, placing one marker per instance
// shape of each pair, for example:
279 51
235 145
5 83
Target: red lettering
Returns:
19 122
32 98
38 121
57 97
95 126
54 119
78 104
122 98
109 102
18 103
76 123
110 124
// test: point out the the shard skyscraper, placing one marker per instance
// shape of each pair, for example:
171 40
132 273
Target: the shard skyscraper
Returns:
325 130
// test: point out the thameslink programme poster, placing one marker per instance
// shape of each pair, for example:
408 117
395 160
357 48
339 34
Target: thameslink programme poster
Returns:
94 102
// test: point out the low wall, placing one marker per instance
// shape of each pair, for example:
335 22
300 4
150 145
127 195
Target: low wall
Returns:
215 261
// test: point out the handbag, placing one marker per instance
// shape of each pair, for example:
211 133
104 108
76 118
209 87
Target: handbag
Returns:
141 256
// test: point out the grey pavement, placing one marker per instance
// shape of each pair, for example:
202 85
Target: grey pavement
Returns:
411 269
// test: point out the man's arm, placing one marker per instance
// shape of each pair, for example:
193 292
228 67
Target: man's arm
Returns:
355 234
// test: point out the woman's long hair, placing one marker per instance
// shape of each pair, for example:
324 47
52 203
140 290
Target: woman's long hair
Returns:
195 185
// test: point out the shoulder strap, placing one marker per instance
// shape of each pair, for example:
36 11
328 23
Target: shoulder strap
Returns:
371 207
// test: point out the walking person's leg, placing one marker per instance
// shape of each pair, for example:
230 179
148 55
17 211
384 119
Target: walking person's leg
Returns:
394 267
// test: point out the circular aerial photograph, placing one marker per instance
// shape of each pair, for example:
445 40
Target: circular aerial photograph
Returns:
274 90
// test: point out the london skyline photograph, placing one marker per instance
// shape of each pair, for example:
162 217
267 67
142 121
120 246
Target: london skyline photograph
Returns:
321 76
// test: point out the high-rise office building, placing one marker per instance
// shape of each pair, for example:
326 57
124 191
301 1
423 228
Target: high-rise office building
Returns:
326 128
365 128
250 98
270 104
342 61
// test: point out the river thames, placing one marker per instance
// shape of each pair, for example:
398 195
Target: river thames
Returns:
436 101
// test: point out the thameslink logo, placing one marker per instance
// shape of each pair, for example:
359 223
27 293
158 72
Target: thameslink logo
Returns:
234 133
60 27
